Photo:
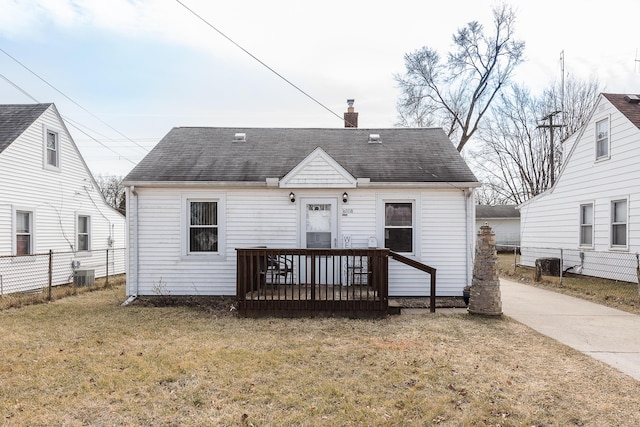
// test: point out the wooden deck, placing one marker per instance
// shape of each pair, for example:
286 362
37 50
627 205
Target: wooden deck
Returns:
314 292
312 282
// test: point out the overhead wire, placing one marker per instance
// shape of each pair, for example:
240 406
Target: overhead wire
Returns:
259 60
73 101
66 119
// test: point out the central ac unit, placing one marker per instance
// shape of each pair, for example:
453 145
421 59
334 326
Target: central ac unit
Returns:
84 277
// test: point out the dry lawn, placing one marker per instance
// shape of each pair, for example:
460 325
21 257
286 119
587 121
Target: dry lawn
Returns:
85 360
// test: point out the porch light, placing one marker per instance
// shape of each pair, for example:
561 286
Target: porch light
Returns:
345 197
292 197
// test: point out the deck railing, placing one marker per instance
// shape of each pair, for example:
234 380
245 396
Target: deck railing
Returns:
303 282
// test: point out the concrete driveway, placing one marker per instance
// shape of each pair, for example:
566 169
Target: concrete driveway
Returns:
606 334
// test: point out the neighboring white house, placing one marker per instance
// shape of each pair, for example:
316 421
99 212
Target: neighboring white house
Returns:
504 221
594 205
49 201
406 189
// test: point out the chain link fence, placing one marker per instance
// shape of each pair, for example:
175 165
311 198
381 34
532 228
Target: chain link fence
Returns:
28 279
611 278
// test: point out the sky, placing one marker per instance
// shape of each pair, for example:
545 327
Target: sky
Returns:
123 73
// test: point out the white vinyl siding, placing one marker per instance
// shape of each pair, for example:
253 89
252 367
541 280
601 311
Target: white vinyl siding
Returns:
56 196
551 220
266 217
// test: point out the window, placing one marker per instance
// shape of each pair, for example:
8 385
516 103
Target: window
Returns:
203 227
602 139
84 237
619 223
586 225
24 233
398 226
52 151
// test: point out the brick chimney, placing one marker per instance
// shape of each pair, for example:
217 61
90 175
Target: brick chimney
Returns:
350 117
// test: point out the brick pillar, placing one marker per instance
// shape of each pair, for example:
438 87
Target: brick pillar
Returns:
485 286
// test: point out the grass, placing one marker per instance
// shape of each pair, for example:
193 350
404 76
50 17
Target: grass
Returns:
621 295
21 299
85 360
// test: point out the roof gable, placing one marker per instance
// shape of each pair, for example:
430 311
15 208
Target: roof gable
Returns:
15 119
318 169
211 155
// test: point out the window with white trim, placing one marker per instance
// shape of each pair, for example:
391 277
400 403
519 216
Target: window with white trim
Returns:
619 223
24 232
398 226
602 139
84 233
586 224
52 149
202 226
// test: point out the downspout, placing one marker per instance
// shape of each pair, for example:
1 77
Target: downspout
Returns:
469 235
133 241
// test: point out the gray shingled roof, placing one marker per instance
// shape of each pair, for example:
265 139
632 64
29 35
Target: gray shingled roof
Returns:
498 211
15 119
209 154
630 109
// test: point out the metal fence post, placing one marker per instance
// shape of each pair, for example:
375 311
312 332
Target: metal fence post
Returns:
638 270
50 274
107 277
515 259
561 264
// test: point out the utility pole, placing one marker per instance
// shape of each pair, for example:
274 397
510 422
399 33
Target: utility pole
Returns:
552 160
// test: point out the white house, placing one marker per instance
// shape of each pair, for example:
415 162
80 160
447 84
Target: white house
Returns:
504 221
594 205
49 202
405 189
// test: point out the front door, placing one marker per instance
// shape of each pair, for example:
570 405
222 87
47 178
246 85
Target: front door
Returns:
319 223
319 219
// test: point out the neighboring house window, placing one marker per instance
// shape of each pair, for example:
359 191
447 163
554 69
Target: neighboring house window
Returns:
52 149
24 233
602 139
84 237
619 223
398 226
586 225
203 226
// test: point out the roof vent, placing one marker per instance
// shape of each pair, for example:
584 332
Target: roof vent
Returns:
632 99
374 138
240 137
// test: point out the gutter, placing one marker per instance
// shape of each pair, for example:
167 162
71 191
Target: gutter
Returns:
361 183
134 218
467 193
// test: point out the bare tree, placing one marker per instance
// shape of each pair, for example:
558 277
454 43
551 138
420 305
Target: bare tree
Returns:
456 94
575 100
113 191
515 162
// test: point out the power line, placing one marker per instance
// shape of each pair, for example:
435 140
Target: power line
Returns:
78 105
69 121
258 60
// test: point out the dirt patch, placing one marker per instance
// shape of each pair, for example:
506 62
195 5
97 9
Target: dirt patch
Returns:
221 306
419 302
227 305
